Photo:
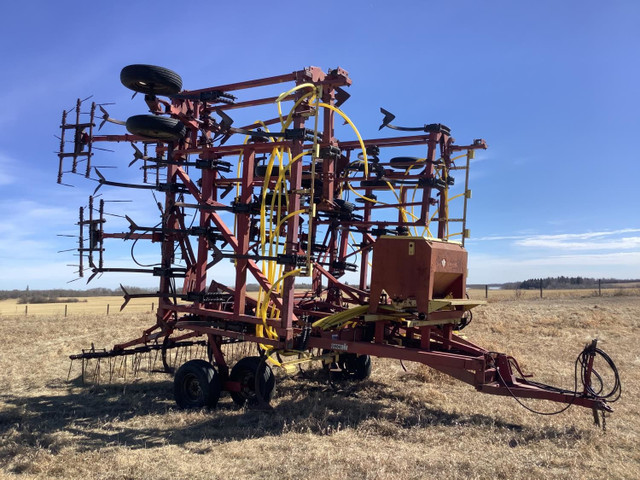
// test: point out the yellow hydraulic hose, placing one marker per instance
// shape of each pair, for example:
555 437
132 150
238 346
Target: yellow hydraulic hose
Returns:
277 191
340 317
348 120
295 89
278 101
267 240
365 160
265 305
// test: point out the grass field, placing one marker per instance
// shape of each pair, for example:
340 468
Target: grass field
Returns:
396 425
83 305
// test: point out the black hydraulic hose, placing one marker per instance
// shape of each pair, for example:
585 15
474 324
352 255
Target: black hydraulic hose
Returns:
616 391
582 361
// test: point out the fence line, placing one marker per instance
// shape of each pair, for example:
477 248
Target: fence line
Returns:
618 288
8 308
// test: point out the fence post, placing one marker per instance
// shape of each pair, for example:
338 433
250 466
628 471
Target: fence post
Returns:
486 291
65 309
540 288
107 309
152 306
26 310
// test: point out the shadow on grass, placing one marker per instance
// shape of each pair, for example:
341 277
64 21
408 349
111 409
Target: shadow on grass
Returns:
143 415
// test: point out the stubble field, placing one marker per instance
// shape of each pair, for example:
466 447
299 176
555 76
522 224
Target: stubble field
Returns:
396 425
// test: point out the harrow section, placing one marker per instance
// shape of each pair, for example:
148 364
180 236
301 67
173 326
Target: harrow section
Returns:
374 227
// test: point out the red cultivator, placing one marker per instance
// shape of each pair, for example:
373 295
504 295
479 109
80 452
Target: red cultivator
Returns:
283 201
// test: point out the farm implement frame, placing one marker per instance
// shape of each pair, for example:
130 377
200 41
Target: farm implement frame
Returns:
375 230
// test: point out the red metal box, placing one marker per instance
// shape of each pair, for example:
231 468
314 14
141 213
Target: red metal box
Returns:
414 270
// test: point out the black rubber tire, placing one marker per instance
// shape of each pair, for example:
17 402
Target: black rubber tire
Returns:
402 163
245 372
306 183
350 366
355 167
370 196
344 205
261 171
376 184
158 128
150 79
196 385
357 367
269 197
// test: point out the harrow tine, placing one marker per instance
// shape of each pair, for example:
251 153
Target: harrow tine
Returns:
111 368
155 361
69 372
96 372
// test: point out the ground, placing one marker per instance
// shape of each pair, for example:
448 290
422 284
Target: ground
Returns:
396 425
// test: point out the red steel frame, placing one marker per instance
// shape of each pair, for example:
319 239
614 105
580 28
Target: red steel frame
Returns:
196 308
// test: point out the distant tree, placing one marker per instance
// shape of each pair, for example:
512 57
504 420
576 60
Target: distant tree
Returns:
557 283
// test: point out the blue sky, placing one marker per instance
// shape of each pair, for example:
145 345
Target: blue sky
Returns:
552 86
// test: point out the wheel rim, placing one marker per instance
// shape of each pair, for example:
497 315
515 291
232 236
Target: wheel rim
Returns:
192 388
247 385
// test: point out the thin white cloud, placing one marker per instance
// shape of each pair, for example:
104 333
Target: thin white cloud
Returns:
7 164
492 238
624 243
617 258
563 239
490 268
607 253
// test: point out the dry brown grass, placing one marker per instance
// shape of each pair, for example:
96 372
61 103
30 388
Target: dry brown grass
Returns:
84 305
397 425
507 294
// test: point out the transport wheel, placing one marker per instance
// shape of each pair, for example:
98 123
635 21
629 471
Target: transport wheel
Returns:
196 385
257 382
349 366
159 128
377 184
403 163
357 367
345 206
151 80
306 183
269 197
261 171
355 166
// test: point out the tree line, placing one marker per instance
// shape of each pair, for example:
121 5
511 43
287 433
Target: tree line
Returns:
56 295
561 282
